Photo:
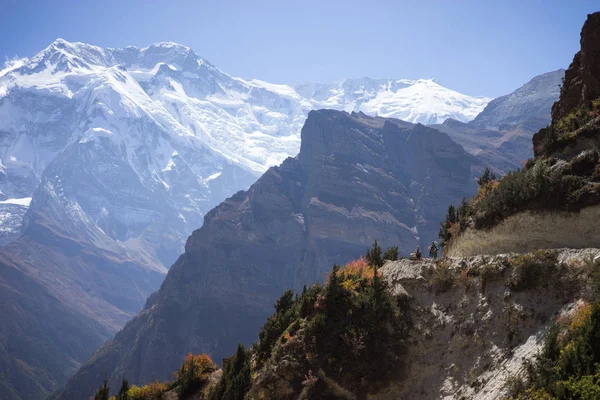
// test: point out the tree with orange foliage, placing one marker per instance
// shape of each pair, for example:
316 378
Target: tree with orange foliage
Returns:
194 373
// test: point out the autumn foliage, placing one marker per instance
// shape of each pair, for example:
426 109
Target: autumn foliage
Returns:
355 273
151 391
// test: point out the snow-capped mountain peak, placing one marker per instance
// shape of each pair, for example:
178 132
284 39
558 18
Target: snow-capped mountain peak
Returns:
177 133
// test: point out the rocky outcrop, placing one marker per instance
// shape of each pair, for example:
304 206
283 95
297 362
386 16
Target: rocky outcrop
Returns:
582 79
580 88
356 179
468 340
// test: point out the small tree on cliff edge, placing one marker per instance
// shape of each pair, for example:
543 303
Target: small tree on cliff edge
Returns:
103 392
391 254
122 395
373 256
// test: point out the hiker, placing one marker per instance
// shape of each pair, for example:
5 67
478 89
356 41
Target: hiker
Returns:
439 248
433 251
418 253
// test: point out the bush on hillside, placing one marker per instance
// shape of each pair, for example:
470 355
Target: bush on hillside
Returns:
532 269
568 367
236 378
152 391
194 373
443 277
540 186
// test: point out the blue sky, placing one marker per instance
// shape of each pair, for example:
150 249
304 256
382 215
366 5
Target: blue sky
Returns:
480 47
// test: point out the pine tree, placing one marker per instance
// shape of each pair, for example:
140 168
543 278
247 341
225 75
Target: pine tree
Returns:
103 392
391 254
236 375
486 178
123 392
285 302
464 209
451 214
373 255
333 290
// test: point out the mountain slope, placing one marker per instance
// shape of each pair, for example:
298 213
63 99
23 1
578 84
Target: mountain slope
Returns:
42 341
109 158
174 133
501 134
355 179
529 105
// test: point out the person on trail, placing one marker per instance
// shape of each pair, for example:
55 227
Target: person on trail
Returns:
418 253
439 248
433 251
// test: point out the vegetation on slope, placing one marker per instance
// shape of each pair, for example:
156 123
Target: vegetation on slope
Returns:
544 184
320 344
568 367
192 378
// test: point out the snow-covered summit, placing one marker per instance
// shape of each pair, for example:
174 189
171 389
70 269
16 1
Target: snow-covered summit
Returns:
417 101
252 123
130 147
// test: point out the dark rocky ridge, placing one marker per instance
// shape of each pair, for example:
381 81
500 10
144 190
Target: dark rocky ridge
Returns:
581 86
356 179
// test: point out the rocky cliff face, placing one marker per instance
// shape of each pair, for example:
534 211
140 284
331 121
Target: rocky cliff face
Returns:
580 88
356 179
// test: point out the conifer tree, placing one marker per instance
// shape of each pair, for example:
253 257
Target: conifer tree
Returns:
486 178
333 290
123 392
373 255
103 392
391 253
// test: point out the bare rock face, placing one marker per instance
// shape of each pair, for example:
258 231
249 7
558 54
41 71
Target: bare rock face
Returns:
582 79
356 179
581 85
467 341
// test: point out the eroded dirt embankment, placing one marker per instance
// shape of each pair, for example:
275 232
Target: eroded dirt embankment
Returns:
526 231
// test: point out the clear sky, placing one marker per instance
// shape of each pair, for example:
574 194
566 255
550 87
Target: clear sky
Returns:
479 47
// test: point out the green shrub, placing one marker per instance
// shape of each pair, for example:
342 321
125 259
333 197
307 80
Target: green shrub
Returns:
391 253
532 269
285 312
568 367
443 278
236 378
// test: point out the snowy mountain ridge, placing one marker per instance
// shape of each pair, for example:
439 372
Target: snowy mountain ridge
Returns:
167 126
231 115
